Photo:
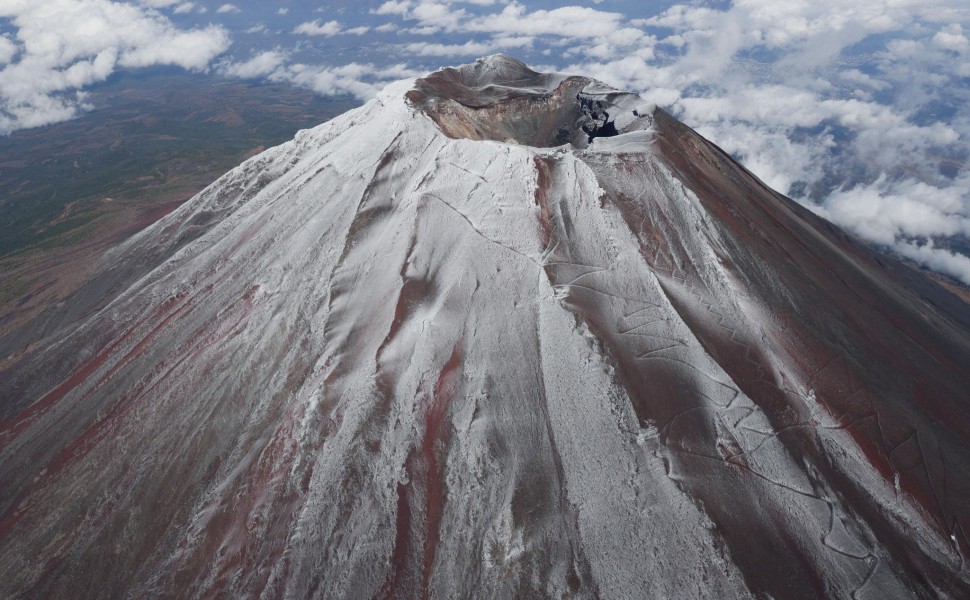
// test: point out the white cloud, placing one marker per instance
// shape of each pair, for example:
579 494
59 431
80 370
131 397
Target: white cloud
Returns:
425 30
440 15
886 212
158 3
8 50
515 19
937 259
228 8
360 80
316 28
569 21
951 37
263 64
283 11
470 48
328 29
63 46
393 8
577 30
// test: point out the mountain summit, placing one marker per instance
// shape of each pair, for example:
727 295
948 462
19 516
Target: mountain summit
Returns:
494 334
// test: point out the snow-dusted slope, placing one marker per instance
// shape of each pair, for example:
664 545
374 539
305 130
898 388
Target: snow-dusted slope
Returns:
493 334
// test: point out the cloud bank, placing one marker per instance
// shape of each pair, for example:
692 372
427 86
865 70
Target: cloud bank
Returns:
61 46
361 80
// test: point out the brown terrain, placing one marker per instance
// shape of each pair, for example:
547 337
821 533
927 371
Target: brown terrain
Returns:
71 190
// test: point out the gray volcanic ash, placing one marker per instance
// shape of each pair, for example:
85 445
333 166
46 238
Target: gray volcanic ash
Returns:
494 334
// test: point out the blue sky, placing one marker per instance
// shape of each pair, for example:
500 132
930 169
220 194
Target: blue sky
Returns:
860 111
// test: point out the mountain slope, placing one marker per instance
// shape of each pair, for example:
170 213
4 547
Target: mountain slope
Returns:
496 333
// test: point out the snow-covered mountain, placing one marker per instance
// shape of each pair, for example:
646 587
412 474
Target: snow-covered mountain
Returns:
494 334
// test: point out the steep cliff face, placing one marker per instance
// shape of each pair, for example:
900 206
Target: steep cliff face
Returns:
494 334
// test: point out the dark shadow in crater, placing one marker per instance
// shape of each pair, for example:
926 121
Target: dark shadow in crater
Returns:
501 99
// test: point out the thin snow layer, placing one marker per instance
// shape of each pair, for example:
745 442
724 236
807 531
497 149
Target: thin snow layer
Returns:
381 362
633 142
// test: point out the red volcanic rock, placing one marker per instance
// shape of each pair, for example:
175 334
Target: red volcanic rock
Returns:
494 334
